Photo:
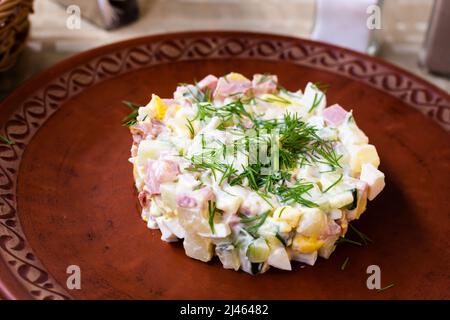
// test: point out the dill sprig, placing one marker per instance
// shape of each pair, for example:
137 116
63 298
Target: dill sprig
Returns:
322 86
227 113
333 184
316 102
345 240
361 235
344 264
255 222
323 152
130 119
190 128
296 193
385 288
6 140
196 94
276 99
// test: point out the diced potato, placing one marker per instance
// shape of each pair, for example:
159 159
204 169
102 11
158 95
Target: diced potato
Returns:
151 223
193 221
288 214
227 202
221 230
328 247
186 182
312 222
168 195
174 226
166 234
179 123
228 255
360 154
308 258
335 214
341 200
374 178
155 209
314 97
304 244
270 228
238 191
327 179
349 133
283 226
279 258
152 149
198 247
139 174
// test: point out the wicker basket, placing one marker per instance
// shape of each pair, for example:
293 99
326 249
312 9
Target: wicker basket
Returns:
14 27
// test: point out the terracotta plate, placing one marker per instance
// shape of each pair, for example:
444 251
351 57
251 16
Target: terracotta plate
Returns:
66 188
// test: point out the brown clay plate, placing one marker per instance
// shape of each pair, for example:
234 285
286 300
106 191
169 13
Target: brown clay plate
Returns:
66 188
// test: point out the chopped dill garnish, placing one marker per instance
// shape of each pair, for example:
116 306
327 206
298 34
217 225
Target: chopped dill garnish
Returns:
130 119
255 221
281 211
345 240
333 184
324 153
190 128
275 99
385 288
265 198
344 265
316 102
6 140
211 214
322 86
228 172
196 94
296 192
361 235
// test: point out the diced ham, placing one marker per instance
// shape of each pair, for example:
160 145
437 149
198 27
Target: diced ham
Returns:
142 130
158 171
208 83
334 115
169 102
151 182
246 211
264 84
332 229
134 148
186 201
226 88
196 199
144 197
206 194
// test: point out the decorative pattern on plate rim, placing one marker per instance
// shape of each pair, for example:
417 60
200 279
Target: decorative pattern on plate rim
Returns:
32 113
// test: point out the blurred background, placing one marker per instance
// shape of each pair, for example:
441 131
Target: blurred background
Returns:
404 32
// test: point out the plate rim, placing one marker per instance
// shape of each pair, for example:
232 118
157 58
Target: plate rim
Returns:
10 287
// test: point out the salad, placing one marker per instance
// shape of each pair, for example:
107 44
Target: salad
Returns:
251 172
